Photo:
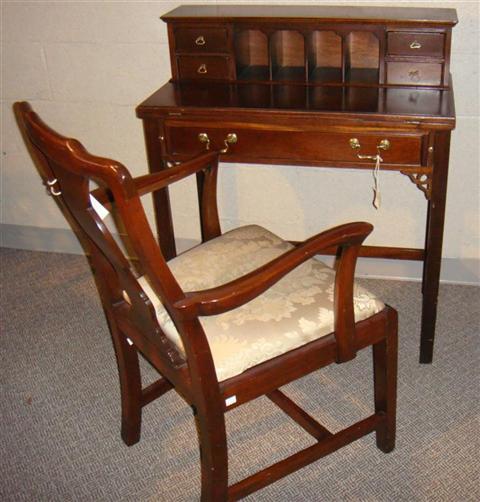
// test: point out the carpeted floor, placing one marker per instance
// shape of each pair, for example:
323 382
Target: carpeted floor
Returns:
60 412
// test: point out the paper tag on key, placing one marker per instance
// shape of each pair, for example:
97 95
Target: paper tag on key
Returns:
377 198
98 208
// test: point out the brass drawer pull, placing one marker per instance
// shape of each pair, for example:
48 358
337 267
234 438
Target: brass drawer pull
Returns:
231 139
200 40
384 144
202 69
415 45
203 138
414 75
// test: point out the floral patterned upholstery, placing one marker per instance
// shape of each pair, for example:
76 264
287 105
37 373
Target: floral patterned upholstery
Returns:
296 310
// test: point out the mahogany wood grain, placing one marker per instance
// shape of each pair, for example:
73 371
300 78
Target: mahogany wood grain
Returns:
67 169
434 240
304 81
305 457
307 13
416 44
161 198
382 252
302 418
201 39
204 67
409 72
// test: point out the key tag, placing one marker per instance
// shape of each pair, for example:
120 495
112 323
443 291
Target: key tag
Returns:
377 198
101 210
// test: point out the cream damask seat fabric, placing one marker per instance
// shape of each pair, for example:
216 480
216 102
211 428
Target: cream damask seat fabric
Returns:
297 310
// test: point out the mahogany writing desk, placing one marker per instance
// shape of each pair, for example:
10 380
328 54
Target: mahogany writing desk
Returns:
313 86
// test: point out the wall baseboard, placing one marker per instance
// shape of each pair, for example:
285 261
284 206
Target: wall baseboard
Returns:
62 240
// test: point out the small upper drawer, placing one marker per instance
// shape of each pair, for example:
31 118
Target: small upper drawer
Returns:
404 73
204 67
415 44
201 39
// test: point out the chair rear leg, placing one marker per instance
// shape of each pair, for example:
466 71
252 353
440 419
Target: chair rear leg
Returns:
130 386
213 455
385 383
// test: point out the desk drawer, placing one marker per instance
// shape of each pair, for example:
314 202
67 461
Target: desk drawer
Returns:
205 67
255 144
416 44
201 39
414 73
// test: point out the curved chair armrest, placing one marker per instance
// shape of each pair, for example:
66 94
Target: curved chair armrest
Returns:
152 182
239 291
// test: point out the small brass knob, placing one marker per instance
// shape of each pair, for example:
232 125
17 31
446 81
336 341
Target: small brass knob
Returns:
414 75
384 144
354 143
203 138
231 139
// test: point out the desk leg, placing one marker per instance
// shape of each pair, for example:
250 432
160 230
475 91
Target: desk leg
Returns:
433 244
161 198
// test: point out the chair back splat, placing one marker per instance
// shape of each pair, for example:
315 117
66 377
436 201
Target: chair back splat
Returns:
232 319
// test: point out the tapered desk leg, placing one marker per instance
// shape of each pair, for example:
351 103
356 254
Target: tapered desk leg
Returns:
161 198
433 245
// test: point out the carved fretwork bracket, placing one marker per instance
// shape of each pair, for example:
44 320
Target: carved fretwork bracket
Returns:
423 181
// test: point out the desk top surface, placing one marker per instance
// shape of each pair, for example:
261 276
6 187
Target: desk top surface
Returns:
432 105
308 13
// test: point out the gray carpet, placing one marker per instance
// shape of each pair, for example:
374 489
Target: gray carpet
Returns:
60 413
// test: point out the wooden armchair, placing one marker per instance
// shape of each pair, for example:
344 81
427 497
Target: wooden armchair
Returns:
230 320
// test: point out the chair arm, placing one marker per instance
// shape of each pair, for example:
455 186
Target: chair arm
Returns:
155 181
240 291
152 182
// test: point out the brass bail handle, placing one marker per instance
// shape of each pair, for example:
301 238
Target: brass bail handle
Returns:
384 144
231 139
203 138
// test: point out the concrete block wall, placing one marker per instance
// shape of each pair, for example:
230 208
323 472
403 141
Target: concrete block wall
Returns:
84 66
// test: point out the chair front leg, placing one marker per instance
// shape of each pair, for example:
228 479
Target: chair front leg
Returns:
130 385
213 454
385 382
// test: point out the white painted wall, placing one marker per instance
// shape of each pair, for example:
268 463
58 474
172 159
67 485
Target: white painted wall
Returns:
84 66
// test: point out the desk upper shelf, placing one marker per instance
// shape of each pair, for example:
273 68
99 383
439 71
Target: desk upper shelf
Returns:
307 13
433 106
321 45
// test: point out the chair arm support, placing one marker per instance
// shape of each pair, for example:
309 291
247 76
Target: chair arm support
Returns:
155 181
240 291
152 182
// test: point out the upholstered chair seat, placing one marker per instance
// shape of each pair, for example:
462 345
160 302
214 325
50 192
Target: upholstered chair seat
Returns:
235 318
295 311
